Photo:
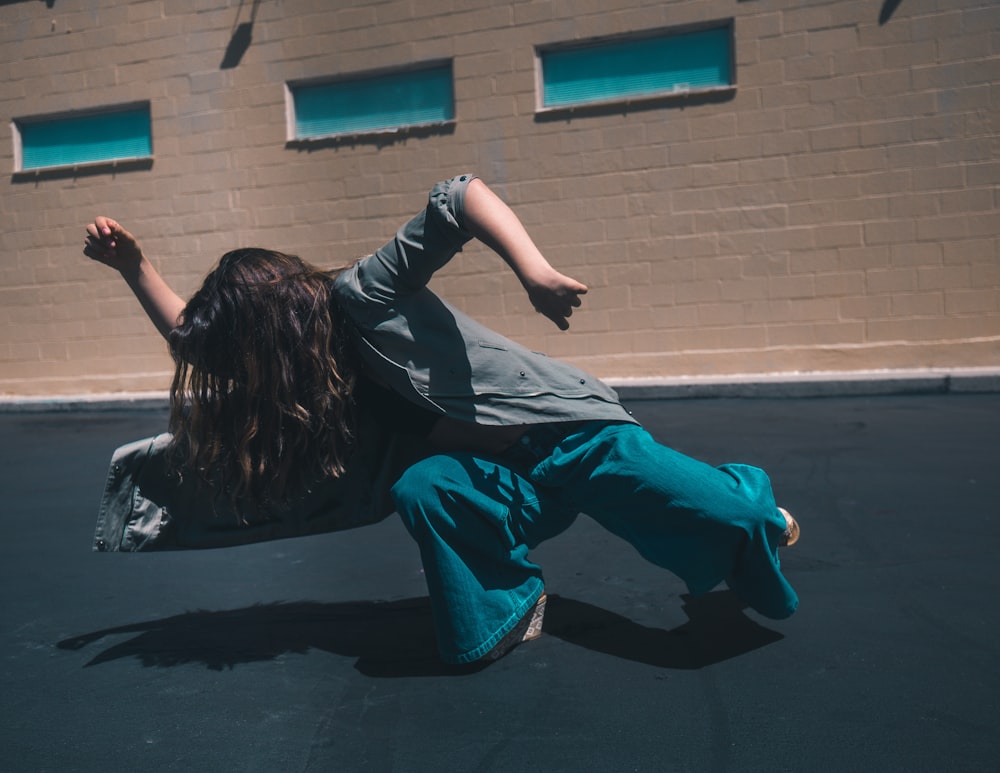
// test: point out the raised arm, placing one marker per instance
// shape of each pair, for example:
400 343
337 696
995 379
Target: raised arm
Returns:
490 220
112 245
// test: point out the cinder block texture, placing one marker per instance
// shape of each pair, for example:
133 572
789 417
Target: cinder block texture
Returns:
837 210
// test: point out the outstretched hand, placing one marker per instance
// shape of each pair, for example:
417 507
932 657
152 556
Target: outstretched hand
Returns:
109 243
555 296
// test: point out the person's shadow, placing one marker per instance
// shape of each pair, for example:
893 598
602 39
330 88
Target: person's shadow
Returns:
396 638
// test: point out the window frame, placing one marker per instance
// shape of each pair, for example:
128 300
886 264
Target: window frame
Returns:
663 95
291 119
18 126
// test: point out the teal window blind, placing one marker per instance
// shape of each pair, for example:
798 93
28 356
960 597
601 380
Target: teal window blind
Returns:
641 67
375 102
84 139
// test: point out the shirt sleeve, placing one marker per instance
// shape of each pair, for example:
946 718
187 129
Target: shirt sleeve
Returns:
424 244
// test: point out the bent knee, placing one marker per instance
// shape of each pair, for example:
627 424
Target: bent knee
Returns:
429 478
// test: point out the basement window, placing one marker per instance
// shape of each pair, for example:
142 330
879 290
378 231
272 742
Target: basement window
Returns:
667 63
422 95
110 135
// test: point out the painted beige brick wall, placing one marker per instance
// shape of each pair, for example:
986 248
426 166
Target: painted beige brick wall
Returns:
837 212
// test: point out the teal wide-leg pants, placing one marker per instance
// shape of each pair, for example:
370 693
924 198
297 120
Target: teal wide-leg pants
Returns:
475 518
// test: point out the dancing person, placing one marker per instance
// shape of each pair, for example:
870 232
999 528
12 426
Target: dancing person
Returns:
291 380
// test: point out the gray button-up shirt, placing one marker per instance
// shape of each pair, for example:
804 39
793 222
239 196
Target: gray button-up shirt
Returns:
425 350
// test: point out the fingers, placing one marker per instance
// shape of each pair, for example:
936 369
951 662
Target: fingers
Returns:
107 225
101 229
556 302
557 319
103 237
570 299
559 313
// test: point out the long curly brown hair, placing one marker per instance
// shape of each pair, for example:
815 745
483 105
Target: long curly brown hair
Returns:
261 398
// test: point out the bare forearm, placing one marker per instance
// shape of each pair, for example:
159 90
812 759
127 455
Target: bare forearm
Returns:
491 221
158 300
110 244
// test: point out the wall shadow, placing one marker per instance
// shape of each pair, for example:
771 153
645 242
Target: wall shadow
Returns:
888 9
81 171
240 38
373 138
623 107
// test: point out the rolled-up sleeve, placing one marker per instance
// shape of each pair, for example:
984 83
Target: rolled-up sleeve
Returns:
424 244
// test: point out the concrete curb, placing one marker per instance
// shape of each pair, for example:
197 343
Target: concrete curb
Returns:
773 385
829 384
111 401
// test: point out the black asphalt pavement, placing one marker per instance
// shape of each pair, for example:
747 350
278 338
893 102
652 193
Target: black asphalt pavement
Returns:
317 654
